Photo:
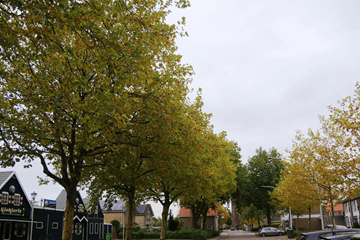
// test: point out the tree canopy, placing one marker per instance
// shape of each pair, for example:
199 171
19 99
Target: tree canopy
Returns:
263 170
74 77
326 160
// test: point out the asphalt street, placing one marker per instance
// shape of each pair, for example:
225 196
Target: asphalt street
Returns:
230 235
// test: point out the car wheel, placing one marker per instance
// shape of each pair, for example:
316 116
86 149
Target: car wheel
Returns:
280 233
263 235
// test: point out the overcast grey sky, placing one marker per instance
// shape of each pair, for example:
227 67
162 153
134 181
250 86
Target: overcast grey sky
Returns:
266 67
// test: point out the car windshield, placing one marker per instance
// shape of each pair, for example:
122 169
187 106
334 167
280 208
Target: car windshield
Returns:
301 237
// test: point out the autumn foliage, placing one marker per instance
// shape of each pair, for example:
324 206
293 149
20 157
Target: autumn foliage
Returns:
92 86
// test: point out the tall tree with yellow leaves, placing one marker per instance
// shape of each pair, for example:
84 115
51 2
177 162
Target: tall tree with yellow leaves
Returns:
342 128
74 76
295 192
311 159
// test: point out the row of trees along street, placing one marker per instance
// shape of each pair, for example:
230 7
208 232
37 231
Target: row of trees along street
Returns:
323 165
321 169
95 91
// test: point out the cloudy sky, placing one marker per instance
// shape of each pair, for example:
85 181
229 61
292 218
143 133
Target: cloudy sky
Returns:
266 68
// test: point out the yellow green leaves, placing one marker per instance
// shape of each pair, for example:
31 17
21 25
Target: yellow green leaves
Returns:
83 79
323 164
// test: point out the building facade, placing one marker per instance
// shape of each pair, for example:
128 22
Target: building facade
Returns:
142 217
212 220
19 220
15 208
351 211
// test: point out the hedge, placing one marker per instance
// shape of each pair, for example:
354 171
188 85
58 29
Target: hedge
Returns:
190 233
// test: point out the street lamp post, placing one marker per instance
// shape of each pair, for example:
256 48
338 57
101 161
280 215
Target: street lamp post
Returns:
123 223
290 218
33 196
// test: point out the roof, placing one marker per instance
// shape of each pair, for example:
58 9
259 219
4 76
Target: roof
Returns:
337 208
4 177
185 212
120 206
141 210
61 200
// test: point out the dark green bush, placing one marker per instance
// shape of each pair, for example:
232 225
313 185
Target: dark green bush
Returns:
191 233
255 229
152 235
356 224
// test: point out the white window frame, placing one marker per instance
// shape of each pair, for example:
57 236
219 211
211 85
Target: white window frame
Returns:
91 228
78 229
16 199
55 225
5 198
39 225
96 228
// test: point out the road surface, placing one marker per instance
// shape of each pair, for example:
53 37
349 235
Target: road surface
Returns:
232 235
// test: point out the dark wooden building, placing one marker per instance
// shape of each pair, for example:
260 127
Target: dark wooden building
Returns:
16 215
15 209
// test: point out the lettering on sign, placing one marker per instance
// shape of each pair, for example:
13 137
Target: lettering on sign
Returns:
12 211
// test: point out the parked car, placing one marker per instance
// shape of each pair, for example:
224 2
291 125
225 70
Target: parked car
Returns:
327 233
232 229
355 237
330 226
337 237
341 236
271 231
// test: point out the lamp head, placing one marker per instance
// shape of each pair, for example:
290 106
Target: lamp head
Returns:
33 195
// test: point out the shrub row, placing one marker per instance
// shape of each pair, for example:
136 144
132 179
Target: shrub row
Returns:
190 233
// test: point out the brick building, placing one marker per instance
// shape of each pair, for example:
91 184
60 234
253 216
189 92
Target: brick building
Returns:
142 217
212 221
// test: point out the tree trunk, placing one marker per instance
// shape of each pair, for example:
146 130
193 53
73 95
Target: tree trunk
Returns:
204 216
195 215
332 215
69 213
297 222
130 213
332 208
268 216
164 216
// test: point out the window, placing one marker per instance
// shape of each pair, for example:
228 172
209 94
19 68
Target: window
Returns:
209 227
354 206
78 229
5 198
39 225
96 228
91 228
55 225
19 230
16 200
187 227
